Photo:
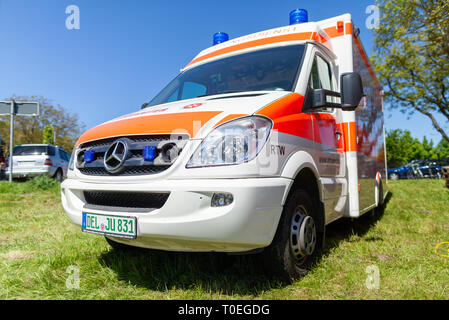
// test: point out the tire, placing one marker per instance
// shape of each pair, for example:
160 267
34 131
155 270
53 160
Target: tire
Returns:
379 210
58 175
296 241
394 176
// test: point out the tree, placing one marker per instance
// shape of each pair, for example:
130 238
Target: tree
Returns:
411 57
403 148
47 135
30 129
400 147
442 149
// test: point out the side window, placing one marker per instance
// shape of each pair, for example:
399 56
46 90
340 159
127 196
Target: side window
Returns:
192 90
51 151
321 78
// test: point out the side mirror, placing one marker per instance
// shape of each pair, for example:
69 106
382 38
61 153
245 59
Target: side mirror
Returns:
323 98
351 90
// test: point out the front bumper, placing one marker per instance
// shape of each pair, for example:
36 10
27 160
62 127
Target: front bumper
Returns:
187 221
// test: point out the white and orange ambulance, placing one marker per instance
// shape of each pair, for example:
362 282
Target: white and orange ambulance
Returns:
258 144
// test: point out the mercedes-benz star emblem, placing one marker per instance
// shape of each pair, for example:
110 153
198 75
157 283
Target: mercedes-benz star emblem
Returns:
115 156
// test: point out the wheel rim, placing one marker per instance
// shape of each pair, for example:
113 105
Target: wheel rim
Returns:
302 234
394 176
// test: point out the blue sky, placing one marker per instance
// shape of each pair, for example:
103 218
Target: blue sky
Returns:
126 51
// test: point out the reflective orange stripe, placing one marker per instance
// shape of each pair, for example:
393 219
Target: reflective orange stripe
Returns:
229 118
331 32
187 122
349 136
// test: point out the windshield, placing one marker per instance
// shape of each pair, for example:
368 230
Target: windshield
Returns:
263 70
32 150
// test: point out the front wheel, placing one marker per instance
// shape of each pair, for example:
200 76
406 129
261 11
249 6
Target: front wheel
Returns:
296 240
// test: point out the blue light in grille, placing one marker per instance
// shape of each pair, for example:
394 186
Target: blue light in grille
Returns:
89 156
148 153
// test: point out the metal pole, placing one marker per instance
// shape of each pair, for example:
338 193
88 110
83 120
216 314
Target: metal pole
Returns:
11 141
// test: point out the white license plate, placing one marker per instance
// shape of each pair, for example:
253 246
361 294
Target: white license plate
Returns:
117 226
25 163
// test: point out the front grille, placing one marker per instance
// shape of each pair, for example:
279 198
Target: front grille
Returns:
129 171
167 149
108 200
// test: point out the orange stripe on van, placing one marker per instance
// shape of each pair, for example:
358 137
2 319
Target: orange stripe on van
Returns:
229 118
349 132
187 122
332 32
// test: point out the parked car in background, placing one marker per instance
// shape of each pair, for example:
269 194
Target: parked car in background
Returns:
30 160
418 169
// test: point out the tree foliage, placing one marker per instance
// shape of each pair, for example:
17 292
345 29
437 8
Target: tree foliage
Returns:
47 135
403 148
30 129
411 57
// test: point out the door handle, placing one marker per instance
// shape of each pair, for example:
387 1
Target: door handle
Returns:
338 134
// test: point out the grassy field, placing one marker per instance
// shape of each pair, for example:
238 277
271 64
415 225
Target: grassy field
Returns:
40 252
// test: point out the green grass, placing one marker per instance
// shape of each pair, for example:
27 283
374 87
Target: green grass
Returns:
38 244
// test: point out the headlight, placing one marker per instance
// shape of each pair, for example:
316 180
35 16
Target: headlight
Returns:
234 142
72 160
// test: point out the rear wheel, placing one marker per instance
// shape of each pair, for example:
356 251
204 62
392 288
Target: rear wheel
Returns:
58 175
394 176
296 240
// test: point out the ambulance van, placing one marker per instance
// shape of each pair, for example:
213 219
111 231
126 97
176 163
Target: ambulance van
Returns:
258 144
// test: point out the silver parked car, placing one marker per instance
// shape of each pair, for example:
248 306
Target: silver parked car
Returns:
30 160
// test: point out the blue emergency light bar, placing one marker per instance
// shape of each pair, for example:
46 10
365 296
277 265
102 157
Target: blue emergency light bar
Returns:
220 37
298 16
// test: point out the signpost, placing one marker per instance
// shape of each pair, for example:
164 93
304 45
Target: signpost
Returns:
14 108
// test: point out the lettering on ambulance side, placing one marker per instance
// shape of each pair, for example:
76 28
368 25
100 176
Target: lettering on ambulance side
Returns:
277 150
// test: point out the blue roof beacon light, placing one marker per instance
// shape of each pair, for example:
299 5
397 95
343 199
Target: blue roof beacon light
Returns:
220 37
298 16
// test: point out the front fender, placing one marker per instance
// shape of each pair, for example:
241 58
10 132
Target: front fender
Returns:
293 166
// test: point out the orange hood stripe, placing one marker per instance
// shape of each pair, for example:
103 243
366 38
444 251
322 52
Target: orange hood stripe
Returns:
187 122
229 118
